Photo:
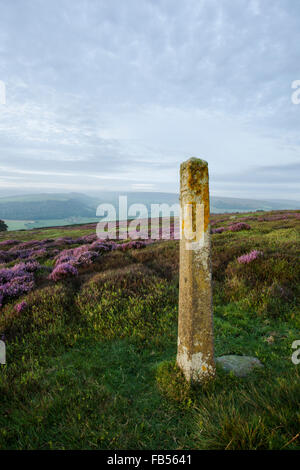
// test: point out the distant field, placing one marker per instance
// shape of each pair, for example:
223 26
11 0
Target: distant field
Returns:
30 224
91 347
18 224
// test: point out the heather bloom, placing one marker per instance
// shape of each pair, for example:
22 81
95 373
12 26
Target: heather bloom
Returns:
79 250
29 243
63 270
86 239
17 286
82 255
218 230
32 266
17 280
21 306
134 244
65 256
282 216
247 258
5 243
238 227
100 246
6 275
27 250
6 257
85 258
64 241
39 253
21 254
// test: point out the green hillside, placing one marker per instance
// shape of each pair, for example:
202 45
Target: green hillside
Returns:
45 210
91 357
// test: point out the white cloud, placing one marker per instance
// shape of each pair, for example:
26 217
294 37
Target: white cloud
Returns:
124 91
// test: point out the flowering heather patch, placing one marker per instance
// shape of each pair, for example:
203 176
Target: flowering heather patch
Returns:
218 221
275 217
86 239
64 257
17 280
27 250
247 258
6 243
73 256
64 241
39 253
31 244
111 245
6 274
85 255
17 286
22 254
76 256
21 306
79 250
63 270
6 257
101 246
31 266
85 258
238 227
218 230
133 244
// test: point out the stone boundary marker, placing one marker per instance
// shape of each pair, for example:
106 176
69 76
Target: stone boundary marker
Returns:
195 354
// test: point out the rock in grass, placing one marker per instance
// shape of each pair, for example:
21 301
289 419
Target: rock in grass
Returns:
239 365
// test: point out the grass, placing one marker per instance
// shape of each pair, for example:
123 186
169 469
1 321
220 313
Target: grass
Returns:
91 361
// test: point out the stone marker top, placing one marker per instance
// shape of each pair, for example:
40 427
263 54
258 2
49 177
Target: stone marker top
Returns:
195 175
198 161
194 186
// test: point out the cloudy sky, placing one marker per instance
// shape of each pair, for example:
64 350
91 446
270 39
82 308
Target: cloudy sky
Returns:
114 94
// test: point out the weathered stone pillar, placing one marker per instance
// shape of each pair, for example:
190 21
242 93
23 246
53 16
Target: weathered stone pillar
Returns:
195 355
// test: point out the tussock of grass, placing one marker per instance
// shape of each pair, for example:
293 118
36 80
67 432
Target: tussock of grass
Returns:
163 259
46 308
249 414
132 302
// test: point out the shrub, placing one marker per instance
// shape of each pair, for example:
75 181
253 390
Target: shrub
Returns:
47 309
238 227
86 258
21 306
3 226
132 280
17 280
62 271
163 258
130 302
6 243
172 384
218 230
247 258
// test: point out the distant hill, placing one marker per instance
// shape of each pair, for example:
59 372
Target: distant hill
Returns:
36 210
43 207
230 204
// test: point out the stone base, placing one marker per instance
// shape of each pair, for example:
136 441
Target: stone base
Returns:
240 366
